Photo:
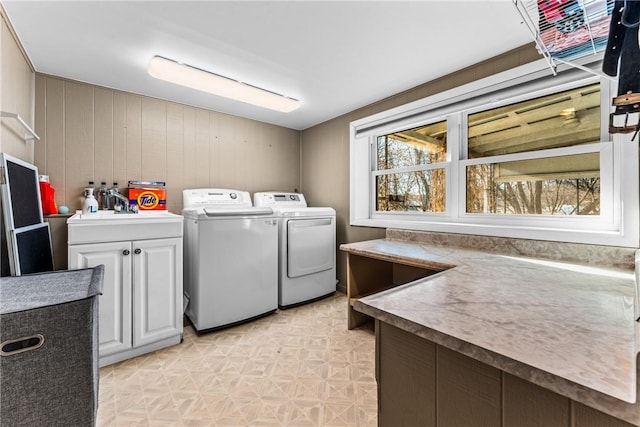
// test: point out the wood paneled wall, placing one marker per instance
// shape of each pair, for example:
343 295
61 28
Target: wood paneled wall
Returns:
94 133
325 147
16 92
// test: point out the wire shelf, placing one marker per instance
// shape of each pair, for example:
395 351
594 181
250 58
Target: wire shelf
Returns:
567 30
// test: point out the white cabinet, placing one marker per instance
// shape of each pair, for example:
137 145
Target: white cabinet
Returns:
157 301
114 331
141 304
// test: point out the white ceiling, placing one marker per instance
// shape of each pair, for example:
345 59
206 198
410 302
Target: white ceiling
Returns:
334 56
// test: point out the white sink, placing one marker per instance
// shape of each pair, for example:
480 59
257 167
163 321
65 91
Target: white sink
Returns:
108 226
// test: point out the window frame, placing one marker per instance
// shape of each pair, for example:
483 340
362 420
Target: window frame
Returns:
606 193
375 172
617 224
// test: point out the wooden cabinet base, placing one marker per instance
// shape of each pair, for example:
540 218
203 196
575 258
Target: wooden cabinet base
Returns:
366 276
424 384
406 375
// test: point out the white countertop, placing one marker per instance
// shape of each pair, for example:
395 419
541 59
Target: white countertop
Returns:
108 226
110 215
568 327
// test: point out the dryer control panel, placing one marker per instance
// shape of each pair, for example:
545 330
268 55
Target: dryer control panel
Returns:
279 200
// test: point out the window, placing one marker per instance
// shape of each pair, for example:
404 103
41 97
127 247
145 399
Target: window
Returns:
520 154
564 185
540 182
410 174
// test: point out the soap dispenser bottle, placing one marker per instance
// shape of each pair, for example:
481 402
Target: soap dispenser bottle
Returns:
90 204
83 196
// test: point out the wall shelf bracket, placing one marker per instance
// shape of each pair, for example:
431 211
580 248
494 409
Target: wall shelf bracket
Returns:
30 135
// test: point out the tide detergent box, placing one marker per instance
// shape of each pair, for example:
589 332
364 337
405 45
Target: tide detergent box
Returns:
148 199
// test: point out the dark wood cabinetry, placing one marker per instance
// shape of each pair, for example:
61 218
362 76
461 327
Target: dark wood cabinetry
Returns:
366 276
421 383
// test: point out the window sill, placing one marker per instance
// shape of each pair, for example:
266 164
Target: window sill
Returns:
594 237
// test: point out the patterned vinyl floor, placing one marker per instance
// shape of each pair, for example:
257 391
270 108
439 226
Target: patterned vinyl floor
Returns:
297 367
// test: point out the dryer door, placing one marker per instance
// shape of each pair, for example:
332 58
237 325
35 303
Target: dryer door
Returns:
310 245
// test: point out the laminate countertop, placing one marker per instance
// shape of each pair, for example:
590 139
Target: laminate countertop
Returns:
567 327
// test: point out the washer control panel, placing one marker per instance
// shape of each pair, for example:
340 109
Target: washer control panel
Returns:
201 197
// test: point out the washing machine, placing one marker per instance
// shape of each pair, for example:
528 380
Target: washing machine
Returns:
230 258
307 247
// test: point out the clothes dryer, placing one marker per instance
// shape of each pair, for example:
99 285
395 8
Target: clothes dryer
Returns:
306 247
230 258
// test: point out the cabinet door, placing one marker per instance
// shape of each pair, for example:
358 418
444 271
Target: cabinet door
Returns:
114 304
157 294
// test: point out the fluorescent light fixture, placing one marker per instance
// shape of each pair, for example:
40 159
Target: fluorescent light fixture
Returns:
195 78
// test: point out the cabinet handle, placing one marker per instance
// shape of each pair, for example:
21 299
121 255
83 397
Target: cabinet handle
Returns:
137 251
126 252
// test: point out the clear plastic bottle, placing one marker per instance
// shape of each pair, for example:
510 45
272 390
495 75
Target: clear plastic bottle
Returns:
103 196
90 204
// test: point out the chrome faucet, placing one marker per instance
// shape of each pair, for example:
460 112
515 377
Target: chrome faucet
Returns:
121 203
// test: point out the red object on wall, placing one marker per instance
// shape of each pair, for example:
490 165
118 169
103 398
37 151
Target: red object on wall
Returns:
47 196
